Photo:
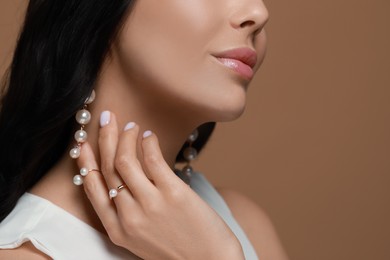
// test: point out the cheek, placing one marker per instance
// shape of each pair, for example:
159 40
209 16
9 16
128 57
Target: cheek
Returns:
175 31
165 48
168 39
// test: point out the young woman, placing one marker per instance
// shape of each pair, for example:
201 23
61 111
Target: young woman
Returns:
112 94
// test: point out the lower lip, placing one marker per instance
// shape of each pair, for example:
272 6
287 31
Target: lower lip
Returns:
241 68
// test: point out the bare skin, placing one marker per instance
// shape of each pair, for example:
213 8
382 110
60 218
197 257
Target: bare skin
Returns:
256 224
169 88
157 196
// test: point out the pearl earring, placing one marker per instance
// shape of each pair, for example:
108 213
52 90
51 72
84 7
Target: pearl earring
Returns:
83 117
189 154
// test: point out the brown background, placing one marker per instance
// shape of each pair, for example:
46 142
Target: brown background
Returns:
313 146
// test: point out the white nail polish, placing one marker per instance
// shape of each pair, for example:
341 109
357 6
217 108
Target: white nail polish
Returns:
129 126
105 118
147 134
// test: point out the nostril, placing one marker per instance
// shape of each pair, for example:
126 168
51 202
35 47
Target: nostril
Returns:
247 23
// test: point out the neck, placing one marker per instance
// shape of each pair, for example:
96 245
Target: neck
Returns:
131 102
119 95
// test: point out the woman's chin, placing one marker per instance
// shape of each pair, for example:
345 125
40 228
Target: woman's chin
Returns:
229 113
233 115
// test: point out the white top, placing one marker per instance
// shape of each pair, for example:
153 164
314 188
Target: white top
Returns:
60 235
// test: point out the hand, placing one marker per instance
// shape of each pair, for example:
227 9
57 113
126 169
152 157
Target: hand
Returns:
157 216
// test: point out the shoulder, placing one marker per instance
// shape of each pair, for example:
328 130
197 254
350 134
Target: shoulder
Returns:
25 251
255 223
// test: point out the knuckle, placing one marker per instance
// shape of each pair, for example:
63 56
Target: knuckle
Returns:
177 195
122 162
115 237
154 208
90 186
132 225
152 159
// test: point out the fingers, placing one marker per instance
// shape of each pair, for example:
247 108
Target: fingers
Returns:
95 188
154 161
108 141
120 164
128 165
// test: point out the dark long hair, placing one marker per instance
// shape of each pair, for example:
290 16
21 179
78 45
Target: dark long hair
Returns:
55 65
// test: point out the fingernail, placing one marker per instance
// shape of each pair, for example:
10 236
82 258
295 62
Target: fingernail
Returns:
129 126
147 133
105 118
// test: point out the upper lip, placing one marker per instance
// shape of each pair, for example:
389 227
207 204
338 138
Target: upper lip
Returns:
245 55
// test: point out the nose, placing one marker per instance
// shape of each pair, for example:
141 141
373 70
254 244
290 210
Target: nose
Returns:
249 15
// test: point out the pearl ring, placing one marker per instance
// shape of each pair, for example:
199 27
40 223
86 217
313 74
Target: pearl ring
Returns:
78 179
114 192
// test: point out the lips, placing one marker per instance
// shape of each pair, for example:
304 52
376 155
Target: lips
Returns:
242 61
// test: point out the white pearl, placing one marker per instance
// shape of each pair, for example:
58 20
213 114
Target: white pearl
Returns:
187 170
190 153
91 98
113 193
193 136
77 180
80 136
83 117
185 174
75 152
84 172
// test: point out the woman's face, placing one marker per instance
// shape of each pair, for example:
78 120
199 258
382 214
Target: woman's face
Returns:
197 55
